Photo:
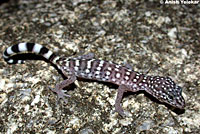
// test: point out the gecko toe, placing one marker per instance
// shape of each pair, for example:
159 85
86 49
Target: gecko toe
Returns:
121 113
119 110
61 94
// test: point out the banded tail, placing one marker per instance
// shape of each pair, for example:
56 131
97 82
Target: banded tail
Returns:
27 48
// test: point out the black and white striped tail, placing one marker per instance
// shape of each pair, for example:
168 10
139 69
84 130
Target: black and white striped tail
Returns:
27 47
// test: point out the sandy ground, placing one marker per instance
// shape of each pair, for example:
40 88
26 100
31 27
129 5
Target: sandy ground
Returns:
155 37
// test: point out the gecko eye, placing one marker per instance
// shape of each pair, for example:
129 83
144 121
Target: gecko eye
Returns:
173 97
170 97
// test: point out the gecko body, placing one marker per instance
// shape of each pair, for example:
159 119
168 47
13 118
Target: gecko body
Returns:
86 66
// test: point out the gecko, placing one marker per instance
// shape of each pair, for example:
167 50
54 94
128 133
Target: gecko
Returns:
163 88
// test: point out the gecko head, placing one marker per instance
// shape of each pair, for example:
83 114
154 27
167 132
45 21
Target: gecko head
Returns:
166 91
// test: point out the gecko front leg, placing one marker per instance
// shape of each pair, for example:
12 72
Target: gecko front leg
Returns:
120 92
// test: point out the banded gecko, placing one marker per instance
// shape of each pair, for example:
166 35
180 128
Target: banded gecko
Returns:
86 66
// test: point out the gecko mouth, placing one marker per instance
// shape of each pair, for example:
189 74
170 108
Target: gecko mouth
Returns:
180 104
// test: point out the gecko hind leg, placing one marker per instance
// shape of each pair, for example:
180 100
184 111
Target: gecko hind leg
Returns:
59 88
128 66
86 56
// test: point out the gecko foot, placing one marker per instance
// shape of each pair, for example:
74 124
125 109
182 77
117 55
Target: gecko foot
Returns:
128 66
119 110
61 93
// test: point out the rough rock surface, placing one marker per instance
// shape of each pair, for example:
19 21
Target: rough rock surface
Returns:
162 38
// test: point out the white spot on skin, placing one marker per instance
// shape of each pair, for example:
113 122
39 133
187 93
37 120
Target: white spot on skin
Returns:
117 66
134 80
118 75
82 74
76 68
77 63
157 79
67 64
87 71
138 73
143 80
107 77
137 77
116 69
109 68
108 73
97 76
122 82
101 63
97 72
89 64
90 75
134 85
126 78
128 73
99 68
103 79
113 79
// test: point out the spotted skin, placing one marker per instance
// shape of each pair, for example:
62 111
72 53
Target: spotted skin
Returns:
86 66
